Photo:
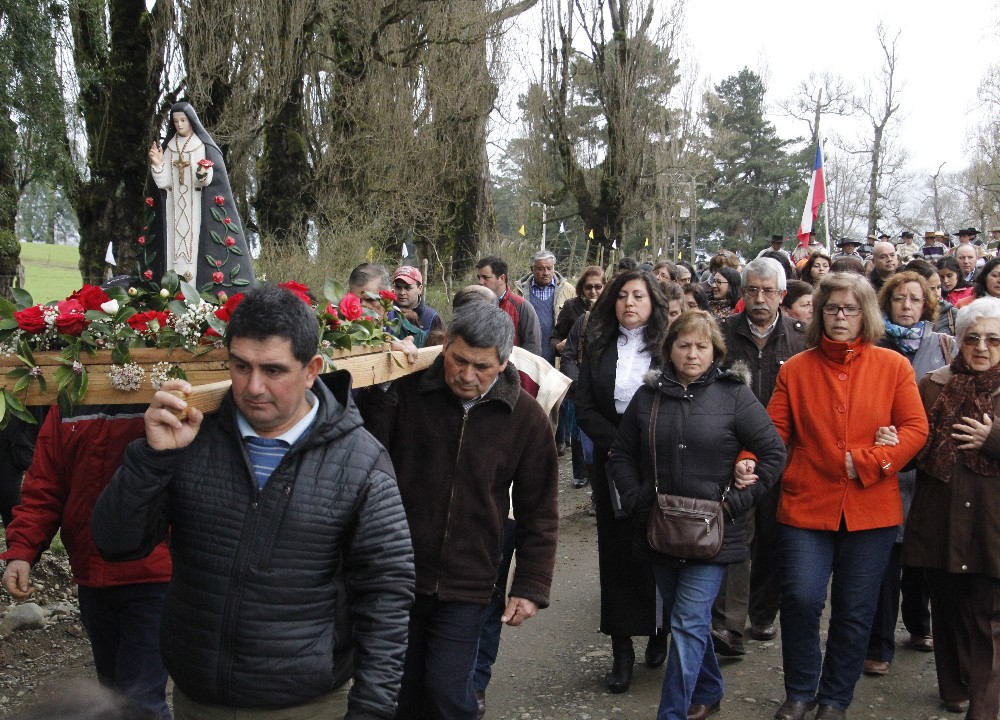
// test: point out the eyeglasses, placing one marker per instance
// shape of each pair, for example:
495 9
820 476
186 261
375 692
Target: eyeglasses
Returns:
595 286
973 340
753 291
848 310
716 281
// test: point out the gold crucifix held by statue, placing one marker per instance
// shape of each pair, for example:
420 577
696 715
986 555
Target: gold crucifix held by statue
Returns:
181 164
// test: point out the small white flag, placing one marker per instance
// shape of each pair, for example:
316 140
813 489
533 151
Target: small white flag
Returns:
562 228
109 256
405 253
659 252
614 244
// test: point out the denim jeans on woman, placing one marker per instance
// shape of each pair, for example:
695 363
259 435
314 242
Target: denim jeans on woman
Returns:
857 561
692 674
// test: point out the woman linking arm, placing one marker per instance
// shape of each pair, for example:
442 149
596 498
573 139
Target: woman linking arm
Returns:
698 419
851 417
623 341
954 526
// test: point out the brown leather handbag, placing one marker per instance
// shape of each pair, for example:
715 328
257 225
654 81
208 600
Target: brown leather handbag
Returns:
683 527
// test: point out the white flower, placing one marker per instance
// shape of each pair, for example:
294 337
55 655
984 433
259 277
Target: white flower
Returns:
110 307
126 377
164 292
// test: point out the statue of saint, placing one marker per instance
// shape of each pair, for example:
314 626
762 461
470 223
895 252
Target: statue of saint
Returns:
195 229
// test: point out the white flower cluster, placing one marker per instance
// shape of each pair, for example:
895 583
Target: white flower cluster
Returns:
127 378
160 373
189 325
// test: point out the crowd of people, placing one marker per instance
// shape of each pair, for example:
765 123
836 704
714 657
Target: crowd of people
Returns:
313 549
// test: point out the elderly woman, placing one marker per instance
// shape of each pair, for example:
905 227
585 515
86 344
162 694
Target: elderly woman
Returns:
908 309
623 341
851 417
726 291
954 525
698 419
798 301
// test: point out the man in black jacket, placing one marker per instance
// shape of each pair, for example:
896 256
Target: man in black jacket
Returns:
289 540
762 339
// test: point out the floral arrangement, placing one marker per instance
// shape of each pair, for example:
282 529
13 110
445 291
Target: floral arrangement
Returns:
170 314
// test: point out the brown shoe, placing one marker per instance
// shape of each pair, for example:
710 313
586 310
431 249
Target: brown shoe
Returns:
700 712
921 643
876 667
763 632
727 643
793 710
828 712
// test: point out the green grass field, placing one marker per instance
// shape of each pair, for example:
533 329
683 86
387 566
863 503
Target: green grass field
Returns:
51 272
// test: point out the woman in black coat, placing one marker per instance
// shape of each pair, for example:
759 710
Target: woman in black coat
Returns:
622 342
699 419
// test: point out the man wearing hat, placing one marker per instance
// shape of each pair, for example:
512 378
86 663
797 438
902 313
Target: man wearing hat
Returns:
933 247
906 250
848 248
776 242
408 284
965 237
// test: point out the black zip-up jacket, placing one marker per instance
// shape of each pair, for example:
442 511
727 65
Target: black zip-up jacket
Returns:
256 614
787 339
700 431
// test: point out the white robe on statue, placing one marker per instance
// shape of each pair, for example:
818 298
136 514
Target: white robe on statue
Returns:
183 207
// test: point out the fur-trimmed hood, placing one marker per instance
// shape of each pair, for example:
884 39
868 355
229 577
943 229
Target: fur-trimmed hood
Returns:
739 372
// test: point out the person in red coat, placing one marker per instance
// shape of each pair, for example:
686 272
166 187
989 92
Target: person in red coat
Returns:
851 417
120 602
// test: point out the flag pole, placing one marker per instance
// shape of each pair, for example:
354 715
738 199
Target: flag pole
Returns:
826 205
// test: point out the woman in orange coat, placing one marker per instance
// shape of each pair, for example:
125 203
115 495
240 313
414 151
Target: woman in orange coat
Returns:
851 417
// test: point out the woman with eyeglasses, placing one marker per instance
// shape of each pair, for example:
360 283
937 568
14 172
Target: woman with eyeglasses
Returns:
908 308
954 526
851 417
726 291
588 289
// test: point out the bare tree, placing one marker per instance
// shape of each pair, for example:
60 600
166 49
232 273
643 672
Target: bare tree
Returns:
818 95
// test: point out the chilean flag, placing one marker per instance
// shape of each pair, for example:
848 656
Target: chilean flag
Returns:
815 198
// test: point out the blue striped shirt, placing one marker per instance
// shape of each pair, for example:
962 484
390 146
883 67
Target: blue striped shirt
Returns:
267 453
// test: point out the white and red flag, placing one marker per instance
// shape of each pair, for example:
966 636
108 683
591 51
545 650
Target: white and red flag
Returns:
815 198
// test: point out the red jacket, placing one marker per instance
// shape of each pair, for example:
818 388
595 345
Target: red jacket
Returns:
74 459
831 400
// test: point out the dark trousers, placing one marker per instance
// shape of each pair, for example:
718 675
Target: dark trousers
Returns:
965 610
857 561
898 581
489 637
440 656
123 624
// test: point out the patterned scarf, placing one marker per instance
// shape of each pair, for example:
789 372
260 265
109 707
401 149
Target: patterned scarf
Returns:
968 394
907 339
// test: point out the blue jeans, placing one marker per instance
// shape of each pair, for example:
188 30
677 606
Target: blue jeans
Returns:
692 674
857 562
123 624
489 637
440 657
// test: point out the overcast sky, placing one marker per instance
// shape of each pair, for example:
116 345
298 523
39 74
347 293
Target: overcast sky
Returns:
944 50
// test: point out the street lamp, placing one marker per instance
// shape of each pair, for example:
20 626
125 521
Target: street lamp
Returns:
544 208
692 178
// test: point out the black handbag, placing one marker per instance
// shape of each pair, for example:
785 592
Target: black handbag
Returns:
679 526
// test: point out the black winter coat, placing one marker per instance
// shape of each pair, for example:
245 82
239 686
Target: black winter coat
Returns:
256 614
700 432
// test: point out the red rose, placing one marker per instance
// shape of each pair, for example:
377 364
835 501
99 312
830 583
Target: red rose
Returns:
219 200
91 297
387 295
226 311
230 241
218 277
206 163
142 240
31 320
298 289
227 221
350 307
148 274
140 321
149 202
70 320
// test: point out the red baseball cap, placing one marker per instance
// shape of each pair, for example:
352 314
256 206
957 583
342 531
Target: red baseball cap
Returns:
409 273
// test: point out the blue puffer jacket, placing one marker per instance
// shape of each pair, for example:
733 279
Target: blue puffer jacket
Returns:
700 431
255 615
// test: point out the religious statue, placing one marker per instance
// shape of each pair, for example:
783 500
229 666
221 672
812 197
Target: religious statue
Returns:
195 229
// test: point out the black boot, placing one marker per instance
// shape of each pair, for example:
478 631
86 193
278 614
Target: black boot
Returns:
656 648
621 665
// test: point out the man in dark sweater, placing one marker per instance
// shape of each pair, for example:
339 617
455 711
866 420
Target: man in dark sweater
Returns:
466 442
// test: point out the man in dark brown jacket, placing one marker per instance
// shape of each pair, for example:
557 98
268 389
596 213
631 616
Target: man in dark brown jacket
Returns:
466 442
